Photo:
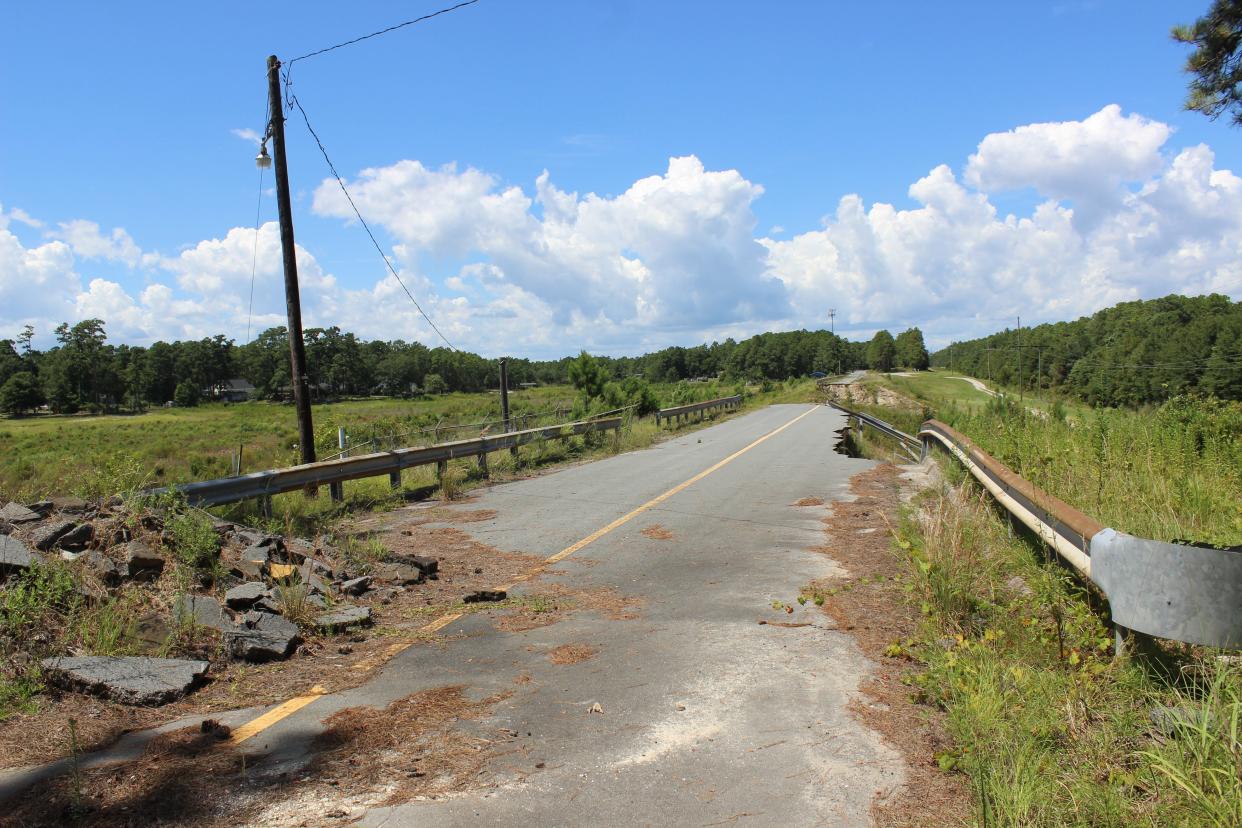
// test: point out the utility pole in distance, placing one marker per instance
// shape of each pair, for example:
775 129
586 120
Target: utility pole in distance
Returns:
293 300
504 391
832 321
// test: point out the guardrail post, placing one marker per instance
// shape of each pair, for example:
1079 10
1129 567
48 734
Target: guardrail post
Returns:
337 490
483 466
441 469
926 448
265 506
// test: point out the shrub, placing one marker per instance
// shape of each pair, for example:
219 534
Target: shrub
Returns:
195 544
186 394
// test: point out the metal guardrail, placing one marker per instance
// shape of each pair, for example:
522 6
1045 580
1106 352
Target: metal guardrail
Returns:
912 446
681 411
1174 591
264 484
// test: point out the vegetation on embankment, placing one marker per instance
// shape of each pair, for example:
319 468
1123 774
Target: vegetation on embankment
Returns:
1127 355
1047 725
1171 472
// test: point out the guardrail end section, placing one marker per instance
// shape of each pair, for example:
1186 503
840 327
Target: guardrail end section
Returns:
1170 590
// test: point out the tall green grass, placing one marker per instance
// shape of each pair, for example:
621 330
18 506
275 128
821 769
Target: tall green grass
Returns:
1049 728
1169 473
1172 472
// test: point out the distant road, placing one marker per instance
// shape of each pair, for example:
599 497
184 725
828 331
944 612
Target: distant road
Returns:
849 379
977 384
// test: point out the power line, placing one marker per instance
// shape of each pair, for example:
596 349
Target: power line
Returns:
383 31
253 262
294 100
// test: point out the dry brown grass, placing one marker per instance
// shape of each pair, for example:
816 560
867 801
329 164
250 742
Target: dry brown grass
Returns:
572 653
810 501
553 602
410 748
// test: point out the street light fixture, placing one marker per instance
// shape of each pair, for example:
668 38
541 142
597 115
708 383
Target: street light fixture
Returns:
263 161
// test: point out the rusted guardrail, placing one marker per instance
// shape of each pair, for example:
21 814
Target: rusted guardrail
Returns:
264 484
1177 591
912 446
681 412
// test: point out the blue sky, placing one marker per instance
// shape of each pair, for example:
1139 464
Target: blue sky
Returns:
124 116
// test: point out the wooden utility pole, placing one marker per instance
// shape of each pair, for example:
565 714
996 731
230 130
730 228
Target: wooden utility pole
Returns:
293 300
1021 387
504 391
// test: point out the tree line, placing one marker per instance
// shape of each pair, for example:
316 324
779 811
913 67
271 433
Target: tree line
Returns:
1128 355
83 371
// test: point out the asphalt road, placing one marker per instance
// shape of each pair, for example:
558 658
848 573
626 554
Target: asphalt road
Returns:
708 716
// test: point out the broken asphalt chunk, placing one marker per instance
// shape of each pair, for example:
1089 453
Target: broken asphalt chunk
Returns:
45 537
102 567
243 596
16 513
15 556
202 611
78 537
128 679
265 637
142 563
356 586
344 617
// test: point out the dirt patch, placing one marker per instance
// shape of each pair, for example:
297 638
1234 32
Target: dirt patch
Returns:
35 738
810 501
864 394
180 779
550 603
870 605
572 654
449 514
366 757
410 748
657 532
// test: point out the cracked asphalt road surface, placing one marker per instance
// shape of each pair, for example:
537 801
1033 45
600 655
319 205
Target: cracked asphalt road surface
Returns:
686 710
709 717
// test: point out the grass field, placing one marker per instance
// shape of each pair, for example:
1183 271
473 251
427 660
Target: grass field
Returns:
1172 472
85 454
941 387
92 456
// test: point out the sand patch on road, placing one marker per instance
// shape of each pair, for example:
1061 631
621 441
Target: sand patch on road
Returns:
657 532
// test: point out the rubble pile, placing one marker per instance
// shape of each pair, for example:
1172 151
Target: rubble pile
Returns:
257 601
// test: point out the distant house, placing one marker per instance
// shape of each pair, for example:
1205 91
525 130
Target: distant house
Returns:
235 390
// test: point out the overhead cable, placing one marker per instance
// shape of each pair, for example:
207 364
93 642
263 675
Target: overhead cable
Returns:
384 31
294 100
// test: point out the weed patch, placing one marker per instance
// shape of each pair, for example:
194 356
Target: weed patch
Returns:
1049 728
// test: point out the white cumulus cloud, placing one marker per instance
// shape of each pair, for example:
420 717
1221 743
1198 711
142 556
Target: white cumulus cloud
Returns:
675 257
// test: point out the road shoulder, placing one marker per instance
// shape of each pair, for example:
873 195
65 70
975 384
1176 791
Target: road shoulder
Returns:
870 604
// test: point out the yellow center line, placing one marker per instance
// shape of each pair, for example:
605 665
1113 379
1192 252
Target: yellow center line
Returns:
274 715
656 501
290 707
